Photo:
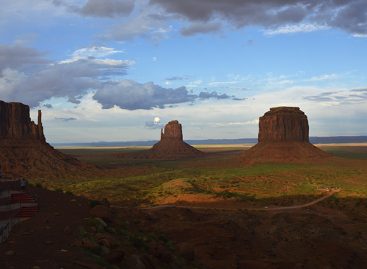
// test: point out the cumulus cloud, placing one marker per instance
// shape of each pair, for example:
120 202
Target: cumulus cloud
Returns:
66 119
132 95
60 80
296 28
200 28
85 71
207 95
152 125
93 52
148 23
355 96
98 8
107 8
19 57
287 16
96 56
176 78
70 79
47 105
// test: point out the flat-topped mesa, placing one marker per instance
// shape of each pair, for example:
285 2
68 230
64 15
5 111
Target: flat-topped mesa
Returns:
284 124
15 122
172 131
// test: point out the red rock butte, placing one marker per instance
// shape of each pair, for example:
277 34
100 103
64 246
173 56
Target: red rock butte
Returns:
23 147
283 137
171 145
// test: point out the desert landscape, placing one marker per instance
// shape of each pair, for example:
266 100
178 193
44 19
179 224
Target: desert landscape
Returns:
263 206
183 134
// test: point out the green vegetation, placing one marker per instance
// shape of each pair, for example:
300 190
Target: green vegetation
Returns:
351 152
220 176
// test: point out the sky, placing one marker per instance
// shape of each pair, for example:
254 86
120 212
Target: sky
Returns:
106 70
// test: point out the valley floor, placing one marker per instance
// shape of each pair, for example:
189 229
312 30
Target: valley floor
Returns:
209 221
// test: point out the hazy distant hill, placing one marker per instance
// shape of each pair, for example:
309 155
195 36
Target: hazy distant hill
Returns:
315 140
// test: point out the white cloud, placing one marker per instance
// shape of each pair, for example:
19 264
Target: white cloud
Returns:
201 28
324 77
148 23
296 28
94 52
98 56
41 80
97 8
132 95
360 35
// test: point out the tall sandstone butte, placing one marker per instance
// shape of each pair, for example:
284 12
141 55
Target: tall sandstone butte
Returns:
23 147
283 124
172 132
15 122
283 137
171 145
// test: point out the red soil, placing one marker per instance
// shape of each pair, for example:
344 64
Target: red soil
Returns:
283 152
46 240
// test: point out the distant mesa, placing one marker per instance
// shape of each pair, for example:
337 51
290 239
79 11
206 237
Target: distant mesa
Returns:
23 147
171 145
283 137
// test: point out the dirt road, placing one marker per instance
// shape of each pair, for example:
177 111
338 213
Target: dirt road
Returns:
270 208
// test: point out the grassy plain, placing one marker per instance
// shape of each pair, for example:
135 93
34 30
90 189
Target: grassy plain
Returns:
218 176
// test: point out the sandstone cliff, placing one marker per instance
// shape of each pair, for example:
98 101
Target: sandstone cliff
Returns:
283 137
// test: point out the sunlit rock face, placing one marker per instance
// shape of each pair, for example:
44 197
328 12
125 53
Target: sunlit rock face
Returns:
23 147
283 137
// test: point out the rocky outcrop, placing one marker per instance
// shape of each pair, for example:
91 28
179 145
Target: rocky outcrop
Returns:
283 137
23 147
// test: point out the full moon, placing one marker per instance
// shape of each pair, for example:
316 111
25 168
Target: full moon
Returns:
156 120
